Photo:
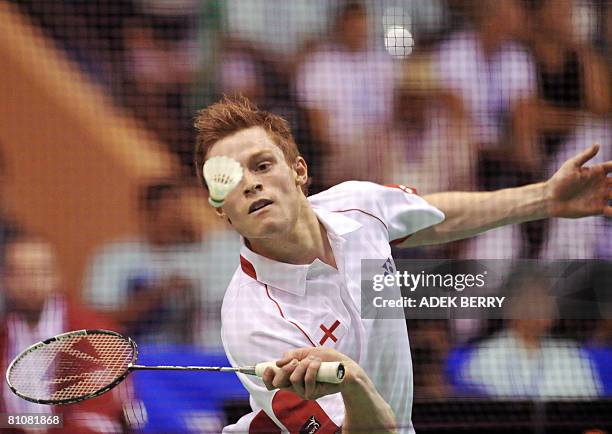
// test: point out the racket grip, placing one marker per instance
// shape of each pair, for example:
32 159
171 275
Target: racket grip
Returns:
329 372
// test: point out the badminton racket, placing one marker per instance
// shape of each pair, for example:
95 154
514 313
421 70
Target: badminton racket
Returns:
83 364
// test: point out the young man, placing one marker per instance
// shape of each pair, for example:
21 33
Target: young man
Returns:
296 296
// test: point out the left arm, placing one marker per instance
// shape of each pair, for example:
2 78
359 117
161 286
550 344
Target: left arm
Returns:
574 191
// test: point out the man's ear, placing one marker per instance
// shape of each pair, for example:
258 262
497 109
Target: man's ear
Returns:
301 171
221 214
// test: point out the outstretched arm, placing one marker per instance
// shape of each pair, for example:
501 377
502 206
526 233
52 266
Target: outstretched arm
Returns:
365 410
573 191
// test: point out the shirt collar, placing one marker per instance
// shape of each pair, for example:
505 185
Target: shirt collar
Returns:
292 277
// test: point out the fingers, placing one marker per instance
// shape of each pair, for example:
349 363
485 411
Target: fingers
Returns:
310 378
277 378
607 166
268 377
585 155
297 372
281 379
297 377
299 354
304 377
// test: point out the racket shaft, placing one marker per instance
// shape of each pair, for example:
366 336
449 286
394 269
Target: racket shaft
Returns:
183 368
329 372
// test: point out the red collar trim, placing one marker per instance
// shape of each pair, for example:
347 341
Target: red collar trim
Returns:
247 267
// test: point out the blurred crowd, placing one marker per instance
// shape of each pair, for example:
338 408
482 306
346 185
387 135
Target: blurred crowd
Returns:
485 94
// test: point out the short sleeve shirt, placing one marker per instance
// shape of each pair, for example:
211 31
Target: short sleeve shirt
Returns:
271 307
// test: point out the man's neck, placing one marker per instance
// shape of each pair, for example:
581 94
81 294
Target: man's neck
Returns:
304 243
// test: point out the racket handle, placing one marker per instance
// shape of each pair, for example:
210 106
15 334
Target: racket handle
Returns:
329 372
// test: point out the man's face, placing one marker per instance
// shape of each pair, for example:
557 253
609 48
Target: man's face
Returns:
31 274
266 202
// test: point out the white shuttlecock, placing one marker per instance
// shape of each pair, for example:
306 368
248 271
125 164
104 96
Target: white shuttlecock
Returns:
222 175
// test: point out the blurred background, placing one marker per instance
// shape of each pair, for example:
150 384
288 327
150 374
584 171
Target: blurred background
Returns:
102 222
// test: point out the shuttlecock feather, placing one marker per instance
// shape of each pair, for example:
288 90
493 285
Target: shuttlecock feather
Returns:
222 175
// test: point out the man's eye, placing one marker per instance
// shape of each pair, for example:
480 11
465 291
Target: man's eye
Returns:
263 166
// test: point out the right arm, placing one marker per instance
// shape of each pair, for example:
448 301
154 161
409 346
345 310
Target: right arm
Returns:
365 409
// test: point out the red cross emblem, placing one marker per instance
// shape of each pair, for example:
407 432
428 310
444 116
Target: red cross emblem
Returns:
328 332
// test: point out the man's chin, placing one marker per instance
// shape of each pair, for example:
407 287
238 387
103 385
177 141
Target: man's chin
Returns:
268 230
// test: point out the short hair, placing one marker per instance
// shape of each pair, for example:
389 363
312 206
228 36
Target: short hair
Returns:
152 193
233 114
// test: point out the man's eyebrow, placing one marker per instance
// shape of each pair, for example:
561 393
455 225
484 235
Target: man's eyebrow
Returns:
258 154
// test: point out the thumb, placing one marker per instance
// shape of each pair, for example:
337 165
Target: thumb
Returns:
586 155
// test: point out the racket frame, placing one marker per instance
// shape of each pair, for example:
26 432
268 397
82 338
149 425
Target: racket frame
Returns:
59 337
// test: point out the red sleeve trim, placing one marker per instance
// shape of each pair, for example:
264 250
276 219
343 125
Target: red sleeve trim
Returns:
404 188
283 316
298 415
262 424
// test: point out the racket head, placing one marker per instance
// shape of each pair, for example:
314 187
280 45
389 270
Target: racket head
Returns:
72 366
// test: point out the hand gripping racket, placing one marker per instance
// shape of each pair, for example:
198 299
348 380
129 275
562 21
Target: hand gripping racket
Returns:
83 364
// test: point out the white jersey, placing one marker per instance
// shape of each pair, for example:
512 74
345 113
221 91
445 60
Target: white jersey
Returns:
272 307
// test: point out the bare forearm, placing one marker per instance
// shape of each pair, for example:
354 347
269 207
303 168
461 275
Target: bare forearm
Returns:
468 214
366 411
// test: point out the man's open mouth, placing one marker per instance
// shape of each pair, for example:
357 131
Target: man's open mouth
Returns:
259 204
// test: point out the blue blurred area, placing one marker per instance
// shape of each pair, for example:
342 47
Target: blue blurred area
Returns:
459 357
185 402
455 364
602 358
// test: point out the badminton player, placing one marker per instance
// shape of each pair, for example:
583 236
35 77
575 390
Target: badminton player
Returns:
296 296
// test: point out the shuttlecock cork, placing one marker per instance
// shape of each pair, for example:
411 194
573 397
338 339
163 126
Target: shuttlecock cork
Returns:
222 175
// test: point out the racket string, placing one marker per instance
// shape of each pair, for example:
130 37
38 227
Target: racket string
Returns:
72 367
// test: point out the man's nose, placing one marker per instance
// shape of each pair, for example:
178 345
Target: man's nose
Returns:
251 184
